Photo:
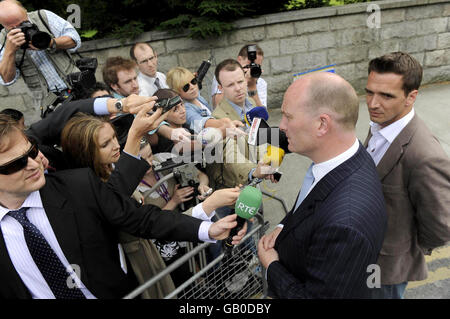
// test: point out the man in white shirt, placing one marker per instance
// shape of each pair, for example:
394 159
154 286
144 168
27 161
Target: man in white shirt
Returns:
150 80
414 171
335 229
256 87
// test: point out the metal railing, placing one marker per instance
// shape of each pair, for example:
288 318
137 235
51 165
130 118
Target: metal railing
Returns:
233 274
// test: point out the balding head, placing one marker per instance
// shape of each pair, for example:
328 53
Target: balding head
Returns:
325 90
12 14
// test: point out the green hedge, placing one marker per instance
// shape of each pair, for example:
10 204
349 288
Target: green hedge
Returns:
203 18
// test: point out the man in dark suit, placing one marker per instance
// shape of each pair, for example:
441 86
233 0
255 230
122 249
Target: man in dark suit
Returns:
58 231
414 171
335 230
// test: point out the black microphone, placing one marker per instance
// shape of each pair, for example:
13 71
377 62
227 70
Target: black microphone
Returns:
261 133
201 72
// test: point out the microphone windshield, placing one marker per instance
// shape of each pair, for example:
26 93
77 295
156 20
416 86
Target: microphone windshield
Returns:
258 111
248 203
274 156
209 136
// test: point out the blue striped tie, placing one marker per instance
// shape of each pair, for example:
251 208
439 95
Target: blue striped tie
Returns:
307 183
50 266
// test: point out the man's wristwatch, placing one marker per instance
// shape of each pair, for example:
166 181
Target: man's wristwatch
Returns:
119 105
252 93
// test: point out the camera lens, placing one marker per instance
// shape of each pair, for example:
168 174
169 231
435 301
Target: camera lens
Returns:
255 71
40 40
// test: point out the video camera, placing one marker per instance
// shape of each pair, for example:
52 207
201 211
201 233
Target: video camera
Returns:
185 174
81 81
39 39
255 69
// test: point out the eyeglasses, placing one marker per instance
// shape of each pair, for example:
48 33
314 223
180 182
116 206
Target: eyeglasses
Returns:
19 163
147 60
194 81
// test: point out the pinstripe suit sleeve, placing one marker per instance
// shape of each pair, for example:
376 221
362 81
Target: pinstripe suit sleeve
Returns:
336 264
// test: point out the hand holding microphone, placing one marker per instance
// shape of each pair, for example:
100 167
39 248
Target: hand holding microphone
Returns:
247 205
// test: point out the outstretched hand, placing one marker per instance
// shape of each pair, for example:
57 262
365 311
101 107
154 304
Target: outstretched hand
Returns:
221 229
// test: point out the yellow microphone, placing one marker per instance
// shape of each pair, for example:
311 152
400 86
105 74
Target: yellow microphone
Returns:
274 156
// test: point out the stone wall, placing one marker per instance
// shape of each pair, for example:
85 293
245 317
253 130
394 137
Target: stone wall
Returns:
348 36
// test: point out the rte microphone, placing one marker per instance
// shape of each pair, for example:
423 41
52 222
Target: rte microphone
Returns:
259 112
247 205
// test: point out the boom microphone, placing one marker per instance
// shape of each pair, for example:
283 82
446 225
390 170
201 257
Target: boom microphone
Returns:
247 205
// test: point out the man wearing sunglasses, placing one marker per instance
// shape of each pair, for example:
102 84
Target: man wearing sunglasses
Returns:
150 80
57 230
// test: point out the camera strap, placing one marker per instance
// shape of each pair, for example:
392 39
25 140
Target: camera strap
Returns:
50 31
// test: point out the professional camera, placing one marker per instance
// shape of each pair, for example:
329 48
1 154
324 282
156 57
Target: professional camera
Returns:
39 39
255 69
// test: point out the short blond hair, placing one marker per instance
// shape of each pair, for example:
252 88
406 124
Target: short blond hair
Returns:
178 77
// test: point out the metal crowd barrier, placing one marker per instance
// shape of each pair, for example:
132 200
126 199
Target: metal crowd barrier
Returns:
237 274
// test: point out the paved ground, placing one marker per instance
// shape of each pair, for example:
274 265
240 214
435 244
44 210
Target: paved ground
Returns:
433 106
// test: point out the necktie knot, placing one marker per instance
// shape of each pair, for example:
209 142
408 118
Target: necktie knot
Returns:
20 215
157 83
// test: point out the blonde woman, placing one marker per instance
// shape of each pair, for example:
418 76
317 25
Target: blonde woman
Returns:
198 111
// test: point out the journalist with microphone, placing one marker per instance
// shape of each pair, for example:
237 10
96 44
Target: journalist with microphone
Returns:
324 245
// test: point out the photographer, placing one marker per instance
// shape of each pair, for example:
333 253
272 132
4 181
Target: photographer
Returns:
250 57
36 45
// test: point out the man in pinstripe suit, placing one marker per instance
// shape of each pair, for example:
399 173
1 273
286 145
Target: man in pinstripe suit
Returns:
323 247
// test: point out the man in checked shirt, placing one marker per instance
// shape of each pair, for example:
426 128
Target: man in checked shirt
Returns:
43 70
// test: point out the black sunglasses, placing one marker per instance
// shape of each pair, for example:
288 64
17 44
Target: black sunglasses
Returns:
186 86
19 163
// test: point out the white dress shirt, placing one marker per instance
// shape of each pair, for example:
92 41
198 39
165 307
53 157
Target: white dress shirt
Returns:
147 85
23 261
382 137
20 255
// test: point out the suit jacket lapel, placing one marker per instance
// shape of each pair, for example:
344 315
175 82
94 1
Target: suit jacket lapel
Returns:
396 150
64 225
230 112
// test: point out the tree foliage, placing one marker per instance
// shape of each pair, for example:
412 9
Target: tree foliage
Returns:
202 18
